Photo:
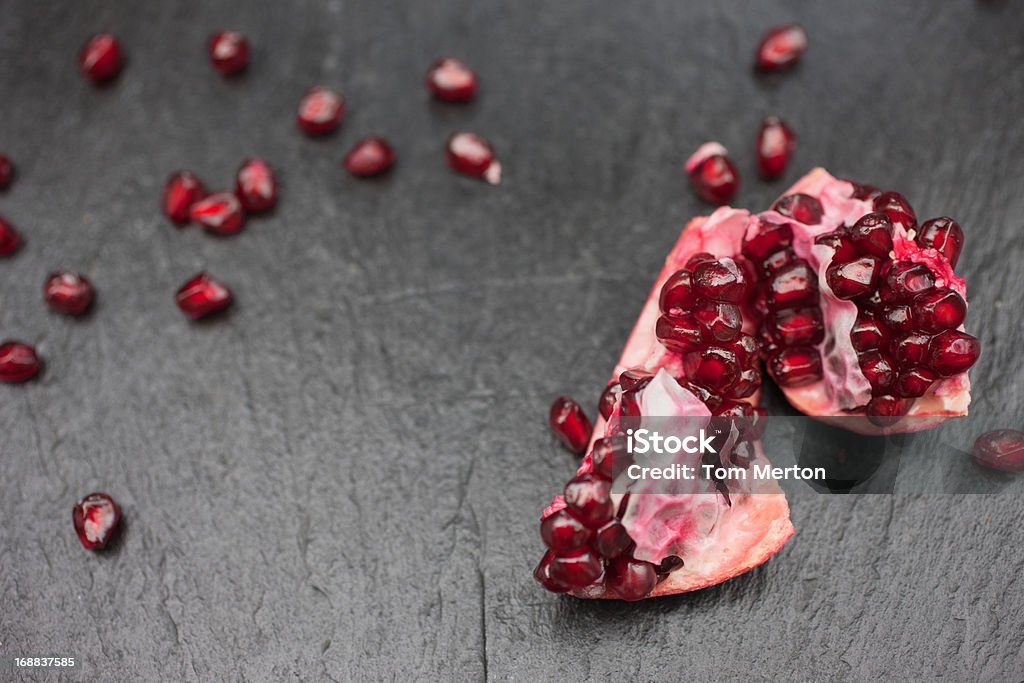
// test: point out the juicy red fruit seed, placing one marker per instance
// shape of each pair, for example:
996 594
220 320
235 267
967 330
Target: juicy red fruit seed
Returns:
542 574
606 452
472 155
939 309
677 293
229 52
768 239
182 190
10 240
371 156
854 278
775 144
914 383
612 539
1001 449
679 333
588 498
841 243
793 286
722 322
220 213
944 235
450 80
576 569
780 47
795 366
912 349
872 234
101 59
18 362
952 352
720 280
717 369
68 292
904 281
256 186
899 318
320 110
800 207
863 191
867 333
570 424
798 327
203 295
880 371
609 397
96 518
631 579
635 379
715 179
6 172
897 208
563 533
886 410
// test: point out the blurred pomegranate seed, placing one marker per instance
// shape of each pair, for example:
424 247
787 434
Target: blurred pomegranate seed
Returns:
220 213
96 518
6 172
202 296
320 110
780 47
371 156
449 79
775 144
18 362
255 186
229 52
100 59
713 176
472 155
10 240
570 424
182 190
1001 449
67 292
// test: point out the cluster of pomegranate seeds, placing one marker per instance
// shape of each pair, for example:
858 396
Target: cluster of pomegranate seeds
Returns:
101 58
67 292
570 424
775 144
96 518
220 213
371 156
472 155
450 80
6 172
712 174
203 295
181 191
10 240
780 48
320 111
229 52
1001 449
18 362
256 186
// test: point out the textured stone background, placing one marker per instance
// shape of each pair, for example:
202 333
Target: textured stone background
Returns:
342 478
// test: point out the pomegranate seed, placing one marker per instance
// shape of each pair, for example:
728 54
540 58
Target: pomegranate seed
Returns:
944 235
1001 449
577 569
371 156
914 383
904 281
628 405
449 79
677 293
939 309
182 190
255 185
610 395
800 207
841 243
911 349
543 575
872 234
854 278
798 327
886 411
18 362
631 579
588 498
775 261
863 192
722 322
717 369
733 409
867 333
612 539
712 174
780 47
606 452
562 532
320 111
570 424
679 333
96 518
795 366
10 240
699 258
67 292
6 172
879 369
758 302
635 379
769 238
952 352
720 280
793 286
100 59
704 394
470 154
229 52
897 208
219 213
775 144
748 383
898 319
202 296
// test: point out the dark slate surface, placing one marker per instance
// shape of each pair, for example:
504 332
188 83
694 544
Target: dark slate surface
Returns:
342 478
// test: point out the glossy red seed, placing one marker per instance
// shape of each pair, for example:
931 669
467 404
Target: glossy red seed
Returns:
898 318
879 369
220 213
706 396
203 295
542 574
780 47
562 532
766 239
798 327
1001 449
472 155
635 379
778 260
904 281
793 286
749 382
863 191
256 186
841 243
631 579
718 321
18 362
609 454
939 309
775 144
699 258
886 411
733 409
677 293
795 366
717 369
371 156
897 208
450 80
715 179
577 569
609 397
101 58
320 111
6 172
96 518
914 382
943 234
570 424
800 207
629 405
911 350
68 292
10 240
852 279
612 539
588 498
952 352
181 191
872 234
229 52
720 280
868 333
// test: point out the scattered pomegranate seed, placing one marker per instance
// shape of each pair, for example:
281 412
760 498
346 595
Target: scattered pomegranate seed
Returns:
1001 449
100 59
472 155
96 518
18 362
712 174
229 52
371 156
182 190
220 213
449 79
320 110
67 292
780 47
6 172
570 424
775 144
202 296
10 240
255 186
943 234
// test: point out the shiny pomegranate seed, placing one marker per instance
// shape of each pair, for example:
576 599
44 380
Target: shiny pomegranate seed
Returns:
872 234
449 79
912 349
96 518
798 327
612 539
800 207
67 292
712 174
202 296
470 154
570 424
780 47
605 454
542 574
717 369
795 366
863 191
793 286
914 383
182 190
6 172
944 235
775 144
562 532
720 280
635 379
722 322
576 569
371 156
867 333
10 240
229 52
1001 449
220 213
588 498
677 295
854 278
18 362
897 208
699 258
631 579
886 410
879 369
768 238
704 394
904 281
841 243
679 333
101 59
628 405
320 110
899 319
255 185
748 382
952 352
609 397
939 309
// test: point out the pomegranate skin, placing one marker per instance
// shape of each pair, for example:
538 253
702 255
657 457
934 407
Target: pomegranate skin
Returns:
370 157
6 172
19 362
1001 449
10 240
68 293
450 80
202 296
229 52
181 191
320 111
101 58
96 518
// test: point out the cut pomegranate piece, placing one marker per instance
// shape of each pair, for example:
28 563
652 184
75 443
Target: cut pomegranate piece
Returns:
18 362
449 79
229 52
780 47
6 172
68 292
10 240
203 295
775 144
712 174
256 186
570 424
371 156
182 190
1001 449
470 154
320 111
96 518
220 213
101 58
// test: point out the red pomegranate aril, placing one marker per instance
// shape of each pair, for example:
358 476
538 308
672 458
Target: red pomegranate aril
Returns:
182 190
798 327
952 352
609 397
699 258
939 309
769 238
320 111
570 424
715 179
612 539
904 281
872 234
747 384
1001 449
634 379
472 155
720 280
706 396
717 369
775 144
6 172
757 303
773 262
780 47
793 286
733 409
721 322
629 404
577 569
450 80
795 366
68 292
588 498
203 295
542 574
867 333
863 191
96 518
897 208
631 579
879 369
885 411
101 59
10 240
677 293
371 156
913 383
256 186
898 318
840 243
18 362
220 213
800 207
229 52
606 452
852 279
944 235
563 533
